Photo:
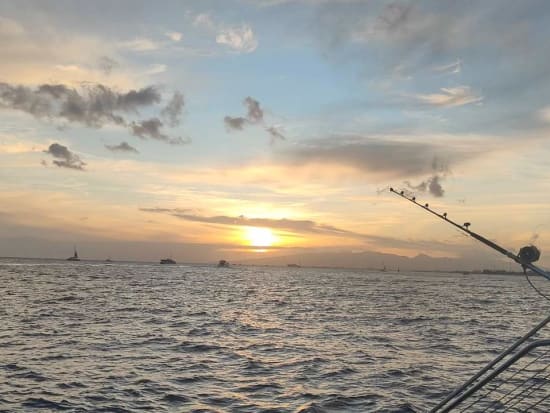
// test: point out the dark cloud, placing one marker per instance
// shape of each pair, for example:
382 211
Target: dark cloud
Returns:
409 38
106 64
297 226
234 123
122 147
432 185
304 226
255 112
94 106
254 115
393 158
173 110
151 129
166 210
275 134
67 158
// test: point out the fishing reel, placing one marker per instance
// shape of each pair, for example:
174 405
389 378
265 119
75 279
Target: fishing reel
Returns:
529 254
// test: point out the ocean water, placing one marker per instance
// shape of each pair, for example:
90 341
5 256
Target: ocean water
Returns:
123 337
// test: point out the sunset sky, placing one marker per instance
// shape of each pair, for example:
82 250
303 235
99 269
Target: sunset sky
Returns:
242 128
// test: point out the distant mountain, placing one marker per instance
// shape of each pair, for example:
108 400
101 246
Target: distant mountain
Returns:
374 260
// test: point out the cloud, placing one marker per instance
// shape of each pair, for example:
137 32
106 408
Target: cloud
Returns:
451 68
94 106
302 226
237 38
10 28
431 185
166 210
204 20
387 157
234 123
409 26
255 112
151 128
451 97
254 115
122 147
156 69
422 34
173 110
139 45
174 36
544 114
68 68
275 134
68 159
241 38
107 65
292 225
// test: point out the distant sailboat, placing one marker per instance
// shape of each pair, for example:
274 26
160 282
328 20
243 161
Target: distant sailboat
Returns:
74 257
167 261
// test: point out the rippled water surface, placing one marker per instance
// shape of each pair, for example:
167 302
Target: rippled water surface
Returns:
134 337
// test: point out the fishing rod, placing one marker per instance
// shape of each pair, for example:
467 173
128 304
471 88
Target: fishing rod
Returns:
526 257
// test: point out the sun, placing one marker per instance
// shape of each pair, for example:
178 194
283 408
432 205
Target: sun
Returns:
260 237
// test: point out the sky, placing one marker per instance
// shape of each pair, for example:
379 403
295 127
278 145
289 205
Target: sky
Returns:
252 128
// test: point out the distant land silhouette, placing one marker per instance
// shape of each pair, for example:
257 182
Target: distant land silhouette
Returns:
374 260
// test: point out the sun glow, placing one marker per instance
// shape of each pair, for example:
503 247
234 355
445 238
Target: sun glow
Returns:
260 237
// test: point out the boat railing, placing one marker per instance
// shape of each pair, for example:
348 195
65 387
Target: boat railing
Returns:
517 380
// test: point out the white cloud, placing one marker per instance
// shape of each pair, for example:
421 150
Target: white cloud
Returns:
544 114
241 39
450 97
68 68
139 45
156 69
174 36
10 27
204 20
10 144
451 68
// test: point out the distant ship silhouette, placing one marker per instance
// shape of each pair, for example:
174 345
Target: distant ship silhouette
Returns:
74 257
167 261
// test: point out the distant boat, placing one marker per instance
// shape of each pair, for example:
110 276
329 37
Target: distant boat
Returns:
74 257
293 265
109 260
223 263
167 261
